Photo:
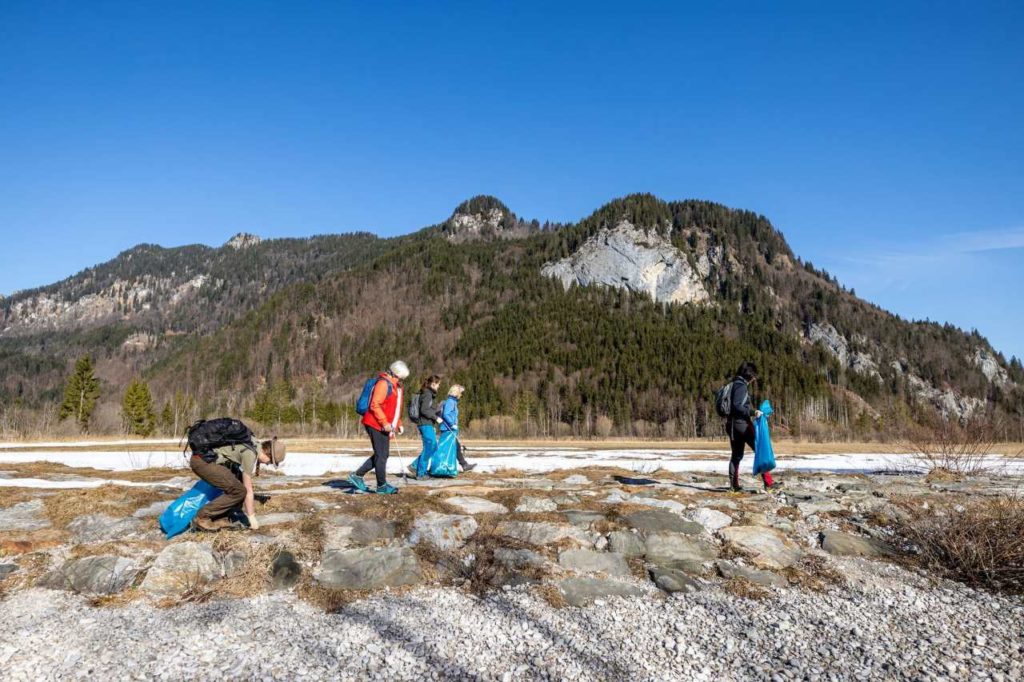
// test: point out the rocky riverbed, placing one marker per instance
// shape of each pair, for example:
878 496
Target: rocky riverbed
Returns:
595 573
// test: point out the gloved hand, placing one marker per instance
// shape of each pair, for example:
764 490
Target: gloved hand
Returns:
253 523
388 428
757 414
401 430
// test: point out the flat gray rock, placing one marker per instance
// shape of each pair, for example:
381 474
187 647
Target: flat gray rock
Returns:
543 533
810 508
476 505
661 521
92 575
24 516
768 547
589 561
576 479
102 528
342 531
369 568
673 580
844 544
671 505
584 591
518 559
626 543
153 510
7 569
278 518
444 531
729 569
675 550
536 505
180 567
711 519
579 517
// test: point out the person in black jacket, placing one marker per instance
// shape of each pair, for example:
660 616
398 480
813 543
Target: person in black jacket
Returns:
740 424
430 415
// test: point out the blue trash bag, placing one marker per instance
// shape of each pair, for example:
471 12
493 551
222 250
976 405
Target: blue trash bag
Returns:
445 462
764 454
177 517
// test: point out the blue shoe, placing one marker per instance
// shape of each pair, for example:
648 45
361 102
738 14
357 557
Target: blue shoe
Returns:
358 483
386 489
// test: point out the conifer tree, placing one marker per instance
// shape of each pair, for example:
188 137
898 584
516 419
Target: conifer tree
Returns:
137 409
81 393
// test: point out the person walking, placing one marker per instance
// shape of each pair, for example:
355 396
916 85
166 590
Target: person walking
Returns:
450 423
382 421
740 424
426 422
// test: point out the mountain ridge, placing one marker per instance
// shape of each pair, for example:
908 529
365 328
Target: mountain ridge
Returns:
461 285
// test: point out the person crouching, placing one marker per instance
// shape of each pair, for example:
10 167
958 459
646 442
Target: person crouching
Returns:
231 469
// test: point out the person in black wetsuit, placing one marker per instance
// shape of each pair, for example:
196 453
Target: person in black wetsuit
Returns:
740 424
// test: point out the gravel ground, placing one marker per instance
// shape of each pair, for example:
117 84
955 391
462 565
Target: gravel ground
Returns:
885 624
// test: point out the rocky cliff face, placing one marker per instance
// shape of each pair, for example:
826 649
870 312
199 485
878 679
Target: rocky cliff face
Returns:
643 262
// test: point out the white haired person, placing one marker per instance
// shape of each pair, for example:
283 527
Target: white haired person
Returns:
383 419
450 435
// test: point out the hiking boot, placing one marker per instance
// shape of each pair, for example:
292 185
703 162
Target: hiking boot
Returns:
774 486
412 471
207 524
358 483
469 467
386 489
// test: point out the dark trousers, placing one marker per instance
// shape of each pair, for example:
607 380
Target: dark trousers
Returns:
460 452
219 476
741 434
378 461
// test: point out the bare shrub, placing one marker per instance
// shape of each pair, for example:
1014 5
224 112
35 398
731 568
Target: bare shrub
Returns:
960 449
978 541
603 426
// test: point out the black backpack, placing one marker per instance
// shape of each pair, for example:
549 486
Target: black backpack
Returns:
206 435
723 400
414 408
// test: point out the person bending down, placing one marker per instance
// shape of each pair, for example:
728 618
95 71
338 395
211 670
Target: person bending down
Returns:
231 468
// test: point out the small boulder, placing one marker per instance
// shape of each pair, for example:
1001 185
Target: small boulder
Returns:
589 561
844 544
671 505
180 567
543 533
660 521
711 519
673 580
444 531
7 569
369 568
102 528
92 575
476 505
278 518
625 543
233 562
285 571
536 505
24 516
584 591
769 548
576 479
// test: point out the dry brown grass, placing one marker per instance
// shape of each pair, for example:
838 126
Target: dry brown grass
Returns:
979 542
552 595
17 542
791 513
119 548
114 500
814 573
743 588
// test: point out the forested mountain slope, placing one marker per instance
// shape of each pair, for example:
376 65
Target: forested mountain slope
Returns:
624 322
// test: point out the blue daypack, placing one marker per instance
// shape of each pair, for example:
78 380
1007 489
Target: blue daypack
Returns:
764 454
445 461
177 517
363 403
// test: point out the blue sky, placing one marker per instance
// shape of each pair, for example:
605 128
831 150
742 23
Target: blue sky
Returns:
884 139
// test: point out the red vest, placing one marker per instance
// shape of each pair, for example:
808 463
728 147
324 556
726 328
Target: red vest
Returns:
385 406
